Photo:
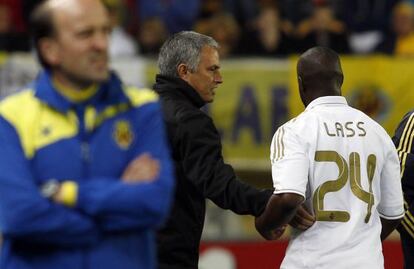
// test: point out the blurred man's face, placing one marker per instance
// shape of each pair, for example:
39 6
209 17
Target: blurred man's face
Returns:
322 17
403 22
81 42
5 19
207 77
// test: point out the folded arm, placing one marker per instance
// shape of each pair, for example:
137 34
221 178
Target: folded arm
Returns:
24 213
141 198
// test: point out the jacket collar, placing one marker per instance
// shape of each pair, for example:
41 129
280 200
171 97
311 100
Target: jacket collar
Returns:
327 100
109 93
165 84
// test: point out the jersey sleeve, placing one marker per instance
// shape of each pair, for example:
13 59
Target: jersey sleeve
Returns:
290 164
391 204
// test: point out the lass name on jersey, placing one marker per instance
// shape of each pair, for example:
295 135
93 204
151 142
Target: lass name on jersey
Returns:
347 129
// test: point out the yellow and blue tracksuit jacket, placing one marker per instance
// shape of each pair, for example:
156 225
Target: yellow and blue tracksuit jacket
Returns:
106 223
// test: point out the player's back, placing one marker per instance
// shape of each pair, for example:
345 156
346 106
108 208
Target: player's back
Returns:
352 166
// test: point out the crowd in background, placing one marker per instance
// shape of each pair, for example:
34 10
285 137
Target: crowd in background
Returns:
271 28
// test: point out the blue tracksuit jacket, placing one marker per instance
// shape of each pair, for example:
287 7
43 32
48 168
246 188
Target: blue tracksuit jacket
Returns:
43 136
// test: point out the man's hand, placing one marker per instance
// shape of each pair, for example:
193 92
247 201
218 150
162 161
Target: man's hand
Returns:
303 220
272 234
65 192
143 168
279 211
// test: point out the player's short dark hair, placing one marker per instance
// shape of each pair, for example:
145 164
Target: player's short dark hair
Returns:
320 65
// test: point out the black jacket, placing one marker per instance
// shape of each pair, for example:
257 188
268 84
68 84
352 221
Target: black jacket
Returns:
405 146
200 173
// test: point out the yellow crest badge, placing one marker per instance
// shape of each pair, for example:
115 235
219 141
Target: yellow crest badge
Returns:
123 134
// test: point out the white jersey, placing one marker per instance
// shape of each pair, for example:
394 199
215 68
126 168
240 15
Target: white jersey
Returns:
347 168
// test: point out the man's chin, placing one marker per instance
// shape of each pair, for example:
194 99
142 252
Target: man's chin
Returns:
99 78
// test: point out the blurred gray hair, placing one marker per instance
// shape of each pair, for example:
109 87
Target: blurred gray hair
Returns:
183 48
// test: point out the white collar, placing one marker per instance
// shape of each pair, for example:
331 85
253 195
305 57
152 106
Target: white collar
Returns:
327 100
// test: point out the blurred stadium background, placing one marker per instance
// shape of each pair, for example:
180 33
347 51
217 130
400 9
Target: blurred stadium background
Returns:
260 41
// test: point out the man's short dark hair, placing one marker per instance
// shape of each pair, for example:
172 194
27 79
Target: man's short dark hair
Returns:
41 26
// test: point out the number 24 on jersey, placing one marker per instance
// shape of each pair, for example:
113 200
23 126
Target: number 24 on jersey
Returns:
351 170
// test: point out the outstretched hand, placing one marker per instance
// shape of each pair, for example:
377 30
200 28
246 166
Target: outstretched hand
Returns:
303 220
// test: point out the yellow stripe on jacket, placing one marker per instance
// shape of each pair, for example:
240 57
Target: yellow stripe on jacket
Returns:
37 124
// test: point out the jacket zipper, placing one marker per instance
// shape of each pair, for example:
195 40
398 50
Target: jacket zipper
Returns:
84 143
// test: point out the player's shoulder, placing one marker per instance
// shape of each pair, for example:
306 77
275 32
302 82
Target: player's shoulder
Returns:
407 117
296 127
374 126
304 120
366 118
409 114
22 102
404 127
140 96
15 98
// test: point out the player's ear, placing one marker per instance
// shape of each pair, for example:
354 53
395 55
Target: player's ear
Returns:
300 84
302 91
182 70
49 49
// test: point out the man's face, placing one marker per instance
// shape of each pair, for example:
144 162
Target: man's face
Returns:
207 77
81 42
5 19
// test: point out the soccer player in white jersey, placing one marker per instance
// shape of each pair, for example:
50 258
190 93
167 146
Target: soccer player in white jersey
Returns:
342 165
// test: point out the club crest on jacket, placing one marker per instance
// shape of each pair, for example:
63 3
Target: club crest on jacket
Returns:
123 134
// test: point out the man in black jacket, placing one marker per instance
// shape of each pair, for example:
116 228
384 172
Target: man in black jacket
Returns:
189 75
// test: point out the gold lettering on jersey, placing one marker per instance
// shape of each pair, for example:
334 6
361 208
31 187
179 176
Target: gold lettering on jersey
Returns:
361 128
339 129
333 186
349 129
327 130
330 185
